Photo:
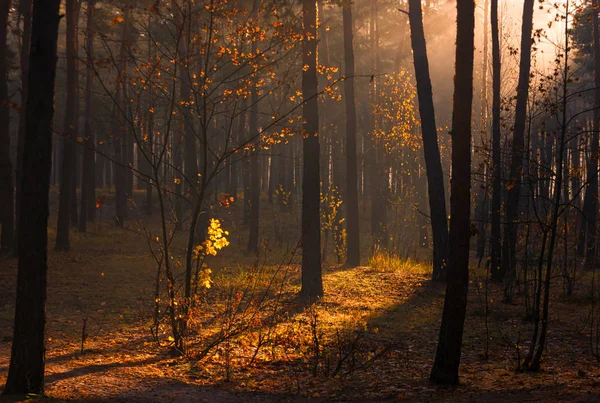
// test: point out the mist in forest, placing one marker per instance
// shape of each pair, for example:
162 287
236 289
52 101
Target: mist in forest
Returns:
299 200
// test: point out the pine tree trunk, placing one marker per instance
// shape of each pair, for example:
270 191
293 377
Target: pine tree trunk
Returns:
351 194
88 175
447 357
509 248
119 170
495 241
27 361
7 208
255 157
433 164
25 8
68 167
312 283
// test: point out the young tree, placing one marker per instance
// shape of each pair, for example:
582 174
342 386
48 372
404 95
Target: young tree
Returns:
25 9
26 370
254 158
351 199
88 176
591 191
312 283
7 221
495 240
433 164
509 248
70 131
447 357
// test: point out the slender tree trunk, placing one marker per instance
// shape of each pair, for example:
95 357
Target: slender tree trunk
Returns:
591 191
7 208
352 226
88 175
496 247
433 164
27 361
67 174
255 157
119 170
312 283
509 248
447 357
25 8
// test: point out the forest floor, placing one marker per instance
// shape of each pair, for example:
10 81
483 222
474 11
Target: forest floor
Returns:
376 329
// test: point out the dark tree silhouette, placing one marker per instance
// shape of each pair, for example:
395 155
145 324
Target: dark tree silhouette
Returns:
433 163
312 283
88 176
26 370
447 357
591 191
496 246
25 9
67 175
509 248
7 207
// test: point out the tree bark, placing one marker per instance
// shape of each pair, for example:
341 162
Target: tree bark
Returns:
591 191
67 174
25 8
27 361
447 357
495 241
312 283
509 248
119 170
433 164
88 175
351 199
7 208
255 157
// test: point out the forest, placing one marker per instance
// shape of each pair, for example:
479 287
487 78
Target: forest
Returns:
299 200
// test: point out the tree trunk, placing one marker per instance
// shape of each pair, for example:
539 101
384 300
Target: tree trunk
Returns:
591 191
255 157
67 174
25 10
352 226
7 208
88 175
433 164
119 170
312 283
509 248
447 357
27 361
496 247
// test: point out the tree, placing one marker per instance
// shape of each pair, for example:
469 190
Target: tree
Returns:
254 158
591 191
433 164
351 199
25 9
119 125
26 370
7 220
495 256
509 248
312 283
88 176
447 357
70 131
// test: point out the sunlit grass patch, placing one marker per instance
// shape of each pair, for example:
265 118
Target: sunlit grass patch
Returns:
385 261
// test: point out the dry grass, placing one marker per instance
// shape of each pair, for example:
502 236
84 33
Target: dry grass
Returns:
380 320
